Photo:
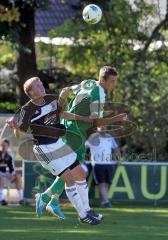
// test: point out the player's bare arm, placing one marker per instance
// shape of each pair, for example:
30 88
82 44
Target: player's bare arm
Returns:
72 116
101 121
64 95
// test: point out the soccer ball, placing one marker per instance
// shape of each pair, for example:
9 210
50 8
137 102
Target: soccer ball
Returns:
92 14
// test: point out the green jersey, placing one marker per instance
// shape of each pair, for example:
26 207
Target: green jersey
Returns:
89 101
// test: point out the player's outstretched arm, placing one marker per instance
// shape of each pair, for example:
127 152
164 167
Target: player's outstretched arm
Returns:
95 119
72 116
12 124
64 95
108 121
67 93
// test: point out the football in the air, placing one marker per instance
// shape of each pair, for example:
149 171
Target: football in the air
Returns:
92 14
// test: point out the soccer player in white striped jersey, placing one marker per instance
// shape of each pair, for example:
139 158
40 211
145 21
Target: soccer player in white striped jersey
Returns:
40 117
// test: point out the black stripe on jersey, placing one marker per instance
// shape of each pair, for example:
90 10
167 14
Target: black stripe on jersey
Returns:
21 116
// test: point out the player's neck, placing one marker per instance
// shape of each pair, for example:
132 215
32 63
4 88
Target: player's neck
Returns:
38 100
101 84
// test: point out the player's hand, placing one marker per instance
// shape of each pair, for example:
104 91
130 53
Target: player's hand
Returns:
10 122
121 117
108 121
12 177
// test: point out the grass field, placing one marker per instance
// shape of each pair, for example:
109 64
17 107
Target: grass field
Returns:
120 223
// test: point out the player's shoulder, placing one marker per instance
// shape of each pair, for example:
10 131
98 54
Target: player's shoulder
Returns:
91 87
48 98
27 105
114 142
93 136
89 84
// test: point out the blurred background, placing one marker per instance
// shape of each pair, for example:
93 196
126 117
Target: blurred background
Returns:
49 38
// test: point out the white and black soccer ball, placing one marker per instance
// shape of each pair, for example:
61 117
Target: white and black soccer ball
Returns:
92 14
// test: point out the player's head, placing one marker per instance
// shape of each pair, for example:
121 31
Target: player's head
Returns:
102 130
108 77
4 144
34 88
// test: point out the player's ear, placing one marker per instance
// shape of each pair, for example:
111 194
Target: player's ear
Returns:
102 80
30 93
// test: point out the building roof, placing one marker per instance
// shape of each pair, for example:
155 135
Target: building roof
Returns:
54 15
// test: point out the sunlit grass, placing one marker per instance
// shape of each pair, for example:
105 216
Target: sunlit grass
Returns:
140 210
120 223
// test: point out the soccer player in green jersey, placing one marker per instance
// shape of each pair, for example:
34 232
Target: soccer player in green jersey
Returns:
89 99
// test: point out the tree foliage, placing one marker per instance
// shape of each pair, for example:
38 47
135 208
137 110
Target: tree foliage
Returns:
9 15
123 39
17 25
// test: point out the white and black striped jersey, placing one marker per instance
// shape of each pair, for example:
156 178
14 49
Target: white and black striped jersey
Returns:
42 121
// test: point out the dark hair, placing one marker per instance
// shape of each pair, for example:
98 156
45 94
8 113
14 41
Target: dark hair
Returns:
106 71
5 141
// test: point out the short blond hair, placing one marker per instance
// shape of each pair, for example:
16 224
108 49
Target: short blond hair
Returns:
28 85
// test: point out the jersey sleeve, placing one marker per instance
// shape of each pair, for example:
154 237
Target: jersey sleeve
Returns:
11 165
75 88
24 119
97 103
93 140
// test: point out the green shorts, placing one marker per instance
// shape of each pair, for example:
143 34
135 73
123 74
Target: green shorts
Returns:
75 138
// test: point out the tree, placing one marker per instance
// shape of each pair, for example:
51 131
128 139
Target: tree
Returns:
17 24
122 39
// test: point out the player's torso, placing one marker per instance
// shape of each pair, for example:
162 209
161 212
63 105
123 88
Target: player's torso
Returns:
46 114
89 92
4 161
101 151
77 130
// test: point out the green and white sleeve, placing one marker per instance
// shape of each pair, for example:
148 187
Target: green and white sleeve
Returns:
97 102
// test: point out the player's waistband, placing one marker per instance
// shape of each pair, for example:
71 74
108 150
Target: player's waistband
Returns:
45 141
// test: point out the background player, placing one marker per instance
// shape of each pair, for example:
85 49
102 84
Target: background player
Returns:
103 149
8 173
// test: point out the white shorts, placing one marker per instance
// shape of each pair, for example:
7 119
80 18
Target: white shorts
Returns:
56 157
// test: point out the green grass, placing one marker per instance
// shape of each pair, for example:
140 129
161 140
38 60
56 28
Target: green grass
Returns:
120 223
